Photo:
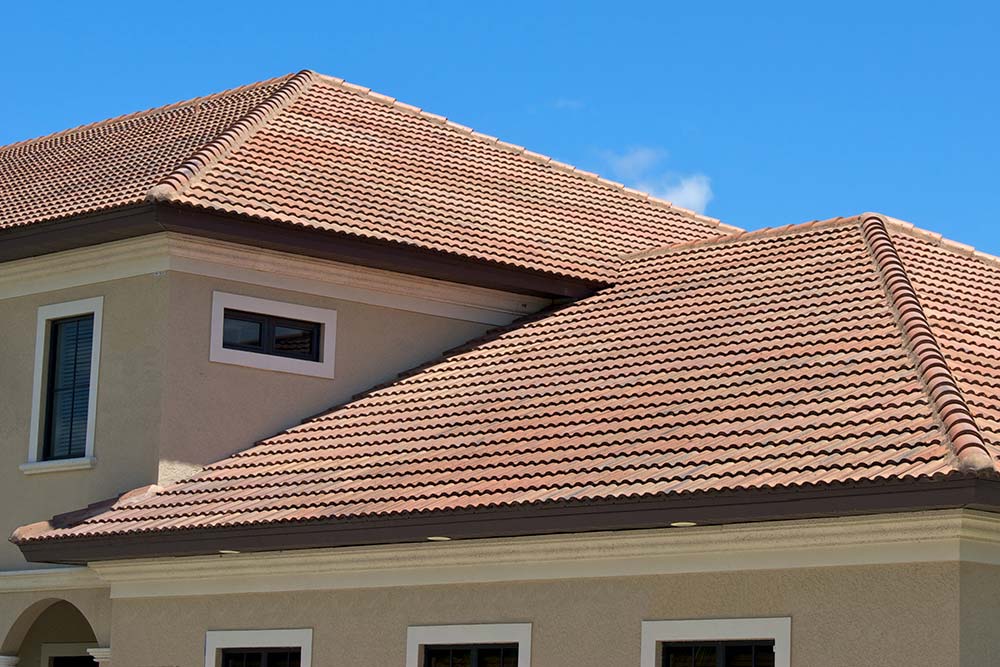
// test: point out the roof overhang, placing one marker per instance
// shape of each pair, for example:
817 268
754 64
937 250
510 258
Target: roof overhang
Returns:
714 508
153 217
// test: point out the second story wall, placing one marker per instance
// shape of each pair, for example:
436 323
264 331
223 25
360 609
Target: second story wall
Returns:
163 406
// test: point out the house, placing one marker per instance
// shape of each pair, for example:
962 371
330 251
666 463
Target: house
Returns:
300 375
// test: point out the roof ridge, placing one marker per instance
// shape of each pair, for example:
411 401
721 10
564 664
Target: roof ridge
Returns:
741 235
232 137
963 434
521 150
137 114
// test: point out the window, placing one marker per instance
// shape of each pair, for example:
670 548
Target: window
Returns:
266 334
68 395
258 648
719 654
273 657
486 645
504 655
64 402
272 335
733 642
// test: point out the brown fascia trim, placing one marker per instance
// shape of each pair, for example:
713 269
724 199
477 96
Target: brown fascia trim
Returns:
964 435
545 519
153 217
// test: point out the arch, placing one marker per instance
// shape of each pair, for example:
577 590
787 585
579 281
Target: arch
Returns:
19 630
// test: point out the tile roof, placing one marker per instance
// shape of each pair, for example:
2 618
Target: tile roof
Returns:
784 358
318 152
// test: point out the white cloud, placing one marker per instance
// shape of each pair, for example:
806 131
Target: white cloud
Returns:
641 167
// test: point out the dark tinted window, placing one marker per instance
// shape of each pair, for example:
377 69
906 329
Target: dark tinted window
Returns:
504 655
719 654
68 396
272 657
266 334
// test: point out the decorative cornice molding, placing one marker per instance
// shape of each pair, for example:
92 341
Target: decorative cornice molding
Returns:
49 579
949 535
946 397
167 251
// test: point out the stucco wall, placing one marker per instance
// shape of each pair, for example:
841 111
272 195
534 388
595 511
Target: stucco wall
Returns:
62 623
27 618
213 409
128 403
903 615
163 408
980 615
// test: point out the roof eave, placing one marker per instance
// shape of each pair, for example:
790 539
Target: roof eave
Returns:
708 508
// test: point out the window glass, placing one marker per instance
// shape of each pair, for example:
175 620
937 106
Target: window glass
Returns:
282 657
241 333
68 396
265 334
719 654
471 656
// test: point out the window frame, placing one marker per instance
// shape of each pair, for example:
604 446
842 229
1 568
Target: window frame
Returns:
278 310
710 631
40 391
218 640
268 326
482 634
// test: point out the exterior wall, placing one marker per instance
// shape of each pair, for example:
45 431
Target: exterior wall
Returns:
212 409
861 615
163 409
31 617
980 614
128 403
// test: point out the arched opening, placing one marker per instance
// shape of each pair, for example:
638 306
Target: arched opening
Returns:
51 633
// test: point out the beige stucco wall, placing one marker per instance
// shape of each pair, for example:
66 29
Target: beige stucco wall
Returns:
888 615
163 408
980 614
213 409
62 623
31 617
129 399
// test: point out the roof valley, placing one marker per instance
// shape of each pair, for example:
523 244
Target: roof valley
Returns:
233 137
963 434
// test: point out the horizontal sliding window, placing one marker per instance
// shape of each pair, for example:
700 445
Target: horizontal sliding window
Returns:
471 656
267 334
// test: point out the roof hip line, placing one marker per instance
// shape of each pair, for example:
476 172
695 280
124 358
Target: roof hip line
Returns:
946 398
188 171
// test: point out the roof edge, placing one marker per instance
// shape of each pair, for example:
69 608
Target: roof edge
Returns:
521 150
235 135
963 433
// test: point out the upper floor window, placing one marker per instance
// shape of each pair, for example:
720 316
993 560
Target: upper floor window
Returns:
273 657
64 400
719 654
68 396
273 335
267 334
258 648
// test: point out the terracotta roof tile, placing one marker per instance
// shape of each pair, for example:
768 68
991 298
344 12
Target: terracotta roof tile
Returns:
314 151
773 359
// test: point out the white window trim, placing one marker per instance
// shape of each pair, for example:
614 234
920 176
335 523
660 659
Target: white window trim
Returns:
323 368
64 650
216 640
46 314
418 636
715 630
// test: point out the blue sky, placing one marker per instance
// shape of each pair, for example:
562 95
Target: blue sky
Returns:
763 114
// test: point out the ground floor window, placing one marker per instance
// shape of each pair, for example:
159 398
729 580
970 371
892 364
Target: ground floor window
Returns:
258 648
272 657
718 654
504 655
726 642
481 645
72 661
